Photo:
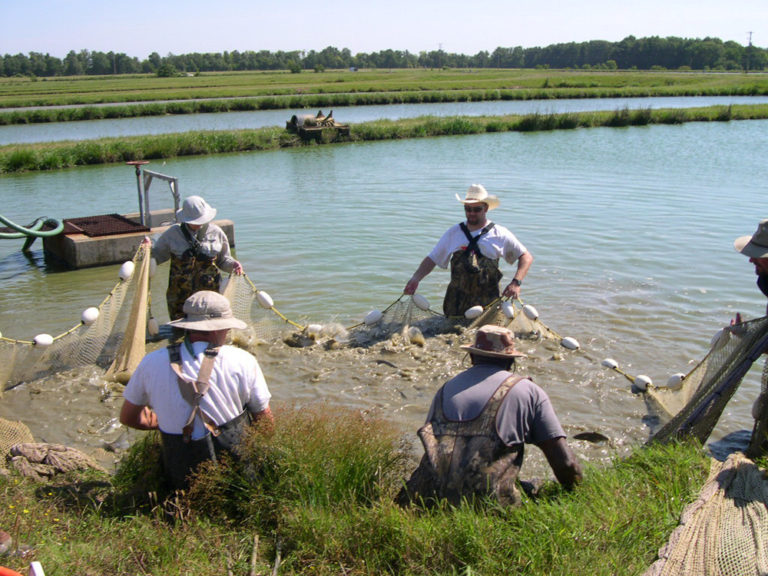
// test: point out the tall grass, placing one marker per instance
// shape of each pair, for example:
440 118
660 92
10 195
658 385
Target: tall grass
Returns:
52 156
317 490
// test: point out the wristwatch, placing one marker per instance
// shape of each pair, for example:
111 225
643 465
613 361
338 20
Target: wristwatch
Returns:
516 282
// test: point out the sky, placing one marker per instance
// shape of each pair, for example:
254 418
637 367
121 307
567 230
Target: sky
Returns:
140 27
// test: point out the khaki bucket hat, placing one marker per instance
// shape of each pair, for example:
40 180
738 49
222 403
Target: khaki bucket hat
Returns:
195 210
208 311
755 246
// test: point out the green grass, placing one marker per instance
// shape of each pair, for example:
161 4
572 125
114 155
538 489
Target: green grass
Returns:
277 90
318 489
59 155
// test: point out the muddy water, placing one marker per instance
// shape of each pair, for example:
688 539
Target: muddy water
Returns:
631 229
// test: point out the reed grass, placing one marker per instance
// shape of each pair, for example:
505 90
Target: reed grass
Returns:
318 490
60 155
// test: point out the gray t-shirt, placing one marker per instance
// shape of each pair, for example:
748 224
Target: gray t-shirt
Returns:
525 416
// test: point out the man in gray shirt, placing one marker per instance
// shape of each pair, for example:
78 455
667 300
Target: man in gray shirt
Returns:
478 425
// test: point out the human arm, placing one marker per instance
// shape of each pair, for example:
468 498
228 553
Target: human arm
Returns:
562 460
137 416
426 266
523 265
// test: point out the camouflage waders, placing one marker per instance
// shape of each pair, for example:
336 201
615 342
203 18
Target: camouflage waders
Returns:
474 278
466 459
189 273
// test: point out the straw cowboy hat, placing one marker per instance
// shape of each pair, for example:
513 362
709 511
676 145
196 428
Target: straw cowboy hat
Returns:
195 210
495 342
478 193
208 311
755 246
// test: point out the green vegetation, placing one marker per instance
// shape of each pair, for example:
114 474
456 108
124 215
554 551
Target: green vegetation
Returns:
237 91
317 491
53 156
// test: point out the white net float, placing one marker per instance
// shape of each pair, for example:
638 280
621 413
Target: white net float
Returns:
675 380
421 302
314 330
373 317
530 312
89 315
152 327
264 299
642 382
610 363
719 339
43 340
126 270
474 312
570 343
508 309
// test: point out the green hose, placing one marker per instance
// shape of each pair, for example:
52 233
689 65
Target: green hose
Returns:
32 231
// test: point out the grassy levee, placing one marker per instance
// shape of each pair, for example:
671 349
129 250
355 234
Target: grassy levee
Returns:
59 155
317 490
133 95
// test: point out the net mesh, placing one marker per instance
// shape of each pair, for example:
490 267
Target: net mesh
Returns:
725 531
694 407
88 343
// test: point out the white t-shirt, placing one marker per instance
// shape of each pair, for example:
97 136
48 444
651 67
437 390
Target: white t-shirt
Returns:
213 242
499 242
236 382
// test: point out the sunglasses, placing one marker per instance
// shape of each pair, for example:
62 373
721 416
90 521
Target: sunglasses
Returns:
473 208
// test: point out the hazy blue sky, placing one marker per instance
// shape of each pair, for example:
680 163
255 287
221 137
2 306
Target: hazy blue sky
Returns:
140 27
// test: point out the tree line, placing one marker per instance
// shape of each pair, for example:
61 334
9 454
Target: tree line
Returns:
630 53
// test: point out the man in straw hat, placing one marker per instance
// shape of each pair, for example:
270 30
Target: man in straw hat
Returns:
478 425
756 248
198 249
473 249
199 392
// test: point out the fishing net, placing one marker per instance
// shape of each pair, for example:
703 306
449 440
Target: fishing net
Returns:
11 433
94 341
693 407
725 531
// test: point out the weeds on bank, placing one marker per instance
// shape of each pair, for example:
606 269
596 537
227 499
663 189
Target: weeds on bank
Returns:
59 155
316 492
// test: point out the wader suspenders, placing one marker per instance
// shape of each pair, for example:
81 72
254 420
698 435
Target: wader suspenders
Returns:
473 240
192 392
194 244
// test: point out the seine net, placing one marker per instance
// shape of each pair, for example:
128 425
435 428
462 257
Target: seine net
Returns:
95 341
694 407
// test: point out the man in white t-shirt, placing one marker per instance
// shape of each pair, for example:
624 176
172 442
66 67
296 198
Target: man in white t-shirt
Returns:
473 249
478 425
199 392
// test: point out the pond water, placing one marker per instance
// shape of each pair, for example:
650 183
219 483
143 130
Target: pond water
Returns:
631 230
56 131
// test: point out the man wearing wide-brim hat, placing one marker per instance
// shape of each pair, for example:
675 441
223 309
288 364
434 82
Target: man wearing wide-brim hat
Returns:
198 249
478 425
755 247
473 249
200 393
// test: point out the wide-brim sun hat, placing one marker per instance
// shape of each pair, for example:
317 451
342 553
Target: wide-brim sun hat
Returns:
495 342
208 311
477 193
755 246
195 210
